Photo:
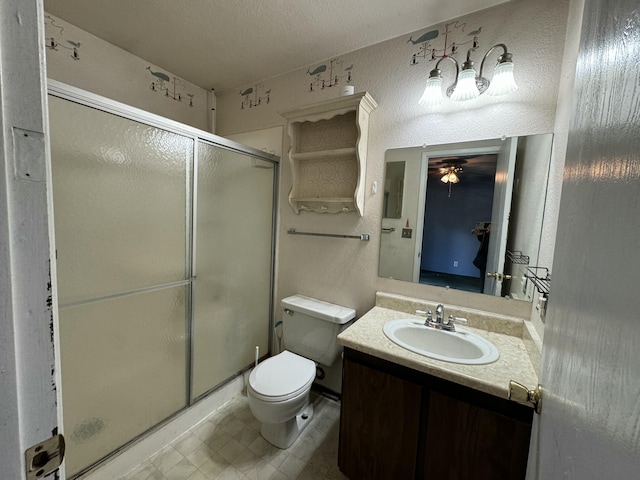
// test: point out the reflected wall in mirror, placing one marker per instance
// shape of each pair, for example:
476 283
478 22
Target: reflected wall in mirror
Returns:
472 208
393 190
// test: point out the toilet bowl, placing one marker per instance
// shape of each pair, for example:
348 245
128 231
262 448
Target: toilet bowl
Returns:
279 387
278 393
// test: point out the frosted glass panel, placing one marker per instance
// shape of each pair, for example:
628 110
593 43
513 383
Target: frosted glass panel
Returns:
233 264
123 370
120 197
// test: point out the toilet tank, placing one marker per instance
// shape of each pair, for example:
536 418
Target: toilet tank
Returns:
311 327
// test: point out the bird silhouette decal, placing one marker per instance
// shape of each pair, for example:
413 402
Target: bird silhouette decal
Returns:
475 32
318 70
424 37
247 91
160 75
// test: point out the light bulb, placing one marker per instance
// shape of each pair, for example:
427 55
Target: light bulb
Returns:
503 82
432 92
466 88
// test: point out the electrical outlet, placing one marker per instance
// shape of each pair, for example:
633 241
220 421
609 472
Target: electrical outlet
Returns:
406 233
455 263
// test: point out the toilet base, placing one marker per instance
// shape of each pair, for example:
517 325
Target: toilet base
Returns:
282 435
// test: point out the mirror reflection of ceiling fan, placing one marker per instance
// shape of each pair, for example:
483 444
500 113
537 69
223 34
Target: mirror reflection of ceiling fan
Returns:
450 174
447 168
475 167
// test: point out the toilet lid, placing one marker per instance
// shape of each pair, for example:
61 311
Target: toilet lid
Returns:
282 375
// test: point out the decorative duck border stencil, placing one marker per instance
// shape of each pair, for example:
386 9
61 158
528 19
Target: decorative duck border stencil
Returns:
329 75
449 46
172 87
53 30
253 98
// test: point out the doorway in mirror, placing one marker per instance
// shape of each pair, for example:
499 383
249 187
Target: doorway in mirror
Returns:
457 212
516 213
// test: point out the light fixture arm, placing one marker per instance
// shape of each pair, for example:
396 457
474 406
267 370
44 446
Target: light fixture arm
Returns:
505 57
436 72
468 63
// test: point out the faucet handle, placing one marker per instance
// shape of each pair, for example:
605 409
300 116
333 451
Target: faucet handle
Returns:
429 315
460 320
429 319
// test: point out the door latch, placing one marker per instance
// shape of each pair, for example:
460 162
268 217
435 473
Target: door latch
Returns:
499 276
521 394
45 457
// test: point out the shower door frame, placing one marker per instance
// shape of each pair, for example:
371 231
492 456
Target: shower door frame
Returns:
88 99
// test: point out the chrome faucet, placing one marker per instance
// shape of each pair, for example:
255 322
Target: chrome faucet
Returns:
439 322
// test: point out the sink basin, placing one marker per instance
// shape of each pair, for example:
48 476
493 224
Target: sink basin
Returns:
460 346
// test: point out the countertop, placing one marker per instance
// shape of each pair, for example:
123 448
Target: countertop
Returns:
515 363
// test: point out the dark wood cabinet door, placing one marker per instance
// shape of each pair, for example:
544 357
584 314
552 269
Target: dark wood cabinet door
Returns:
379 424
465 442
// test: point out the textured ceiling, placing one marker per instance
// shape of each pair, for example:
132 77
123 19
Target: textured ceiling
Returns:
224 44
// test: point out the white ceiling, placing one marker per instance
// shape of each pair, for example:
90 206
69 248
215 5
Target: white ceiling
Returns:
225 44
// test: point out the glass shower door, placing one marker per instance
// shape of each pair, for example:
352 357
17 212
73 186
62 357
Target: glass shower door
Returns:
121 205
233 256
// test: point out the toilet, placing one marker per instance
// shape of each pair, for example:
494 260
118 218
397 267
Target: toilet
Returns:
278 388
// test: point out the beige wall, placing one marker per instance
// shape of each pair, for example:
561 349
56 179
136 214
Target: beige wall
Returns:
107 70
346 271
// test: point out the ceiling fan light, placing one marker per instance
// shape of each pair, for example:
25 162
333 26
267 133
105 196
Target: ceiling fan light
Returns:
445 178
453 178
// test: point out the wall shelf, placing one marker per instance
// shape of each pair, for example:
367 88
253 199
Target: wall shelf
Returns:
542 284
518 258
328 154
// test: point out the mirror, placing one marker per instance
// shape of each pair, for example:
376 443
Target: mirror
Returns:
393 190
466 210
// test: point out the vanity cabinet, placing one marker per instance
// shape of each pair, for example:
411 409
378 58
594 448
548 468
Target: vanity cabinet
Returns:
328 154
399 423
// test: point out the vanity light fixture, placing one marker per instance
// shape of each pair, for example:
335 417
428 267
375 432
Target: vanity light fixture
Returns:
469 84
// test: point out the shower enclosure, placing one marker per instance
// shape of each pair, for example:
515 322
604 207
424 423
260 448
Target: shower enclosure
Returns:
165 244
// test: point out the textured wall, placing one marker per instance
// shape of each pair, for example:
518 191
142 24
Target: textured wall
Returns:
346 271
85 61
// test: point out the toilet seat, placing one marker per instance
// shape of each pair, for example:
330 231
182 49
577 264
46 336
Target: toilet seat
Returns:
282 377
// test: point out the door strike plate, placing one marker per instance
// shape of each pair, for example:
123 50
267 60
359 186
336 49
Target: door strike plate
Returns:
44 458
521 394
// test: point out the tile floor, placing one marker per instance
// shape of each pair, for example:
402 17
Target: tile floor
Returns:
228 445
